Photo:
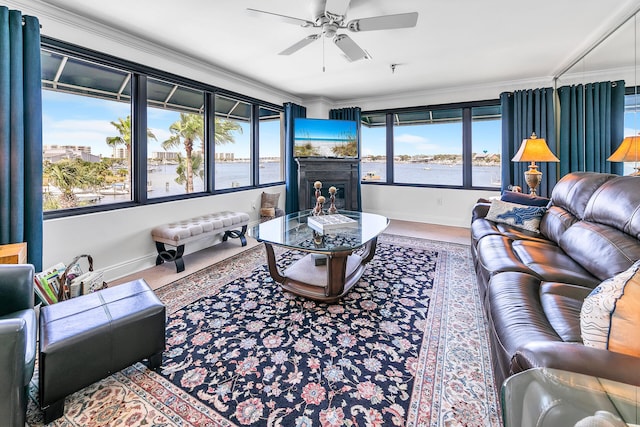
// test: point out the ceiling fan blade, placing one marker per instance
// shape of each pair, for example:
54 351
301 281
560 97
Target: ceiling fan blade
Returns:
336 7
283 18
385 22
350 48
302 43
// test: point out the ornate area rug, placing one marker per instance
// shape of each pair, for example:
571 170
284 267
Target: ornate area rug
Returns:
407 346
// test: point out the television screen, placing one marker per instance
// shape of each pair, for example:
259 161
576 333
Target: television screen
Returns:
325 138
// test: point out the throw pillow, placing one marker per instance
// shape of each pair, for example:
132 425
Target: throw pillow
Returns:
524 199
610 315
516 215
269 200
270 212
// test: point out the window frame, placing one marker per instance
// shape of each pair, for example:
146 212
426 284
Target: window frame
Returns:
467 143
139 75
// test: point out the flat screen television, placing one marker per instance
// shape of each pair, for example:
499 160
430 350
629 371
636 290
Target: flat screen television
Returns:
325 138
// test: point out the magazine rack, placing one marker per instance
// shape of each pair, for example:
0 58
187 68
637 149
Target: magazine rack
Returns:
74 283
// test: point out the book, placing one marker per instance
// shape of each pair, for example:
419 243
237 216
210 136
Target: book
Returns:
48 282
325 223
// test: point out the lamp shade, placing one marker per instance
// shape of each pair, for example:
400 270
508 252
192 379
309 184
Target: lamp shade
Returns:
628 151
534 149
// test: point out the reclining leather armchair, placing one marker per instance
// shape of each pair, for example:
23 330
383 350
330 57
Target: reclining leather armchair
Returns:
17 341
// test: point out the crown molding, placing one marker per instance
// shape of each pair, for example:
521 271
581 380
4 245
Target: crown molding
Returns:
454 94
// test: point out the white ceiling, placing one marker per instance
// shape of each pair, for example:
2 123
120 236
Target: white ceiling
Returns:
456 43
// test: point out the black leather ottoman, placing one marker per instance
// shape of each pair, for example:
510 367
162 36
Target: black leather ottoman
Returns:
87 338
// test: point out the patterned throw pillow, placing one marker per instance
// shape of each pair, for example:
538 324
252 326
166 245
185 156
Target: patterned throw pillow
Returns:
610 315
521 216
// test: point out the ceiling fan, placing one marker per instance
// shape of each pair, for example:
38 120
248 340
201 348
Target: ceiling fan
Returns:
332 19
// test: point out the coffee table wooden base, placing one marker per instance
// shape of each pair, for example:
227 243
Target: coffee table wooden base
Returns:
324 283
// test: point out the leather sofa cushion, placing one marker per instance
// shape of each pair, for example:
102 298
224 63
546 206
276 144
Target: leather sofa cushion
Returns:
562 303
483 227
555 222
591 243
517 312
616 204
29 318
551 264
574 190
541 259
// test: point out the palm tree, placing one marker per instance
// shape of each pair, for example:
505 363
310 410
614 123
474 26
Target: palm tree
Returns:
190 128
186 131
197 166
124 138
66 175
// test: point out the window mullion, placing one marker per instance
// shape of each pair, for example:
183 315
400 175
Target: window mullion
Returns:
139 137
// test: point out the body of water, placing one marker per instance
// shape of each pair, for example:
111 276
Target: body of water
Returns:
435 174
161 179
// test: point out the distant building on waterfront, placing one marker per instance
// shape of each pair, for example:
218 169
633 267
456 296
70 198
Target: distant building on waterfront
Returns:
55 153
165 155
225 156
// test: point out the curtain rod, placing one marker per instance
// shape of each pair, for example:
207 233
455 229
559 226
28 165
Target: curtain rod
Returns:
596 44
40 25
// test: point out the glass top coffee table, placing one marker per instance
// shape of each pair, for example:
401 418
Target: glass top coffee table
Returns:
331 267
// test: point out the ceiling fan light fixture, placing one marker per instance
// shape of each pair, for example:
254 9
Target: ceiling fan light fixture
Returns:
329 30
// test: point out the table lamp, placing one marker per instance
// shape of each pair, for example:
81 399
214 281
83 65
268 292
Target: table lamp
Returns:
534 150
628 151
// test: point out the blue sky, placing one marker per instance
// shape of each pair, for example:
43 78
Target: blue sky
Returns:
432 139
325 129
82 120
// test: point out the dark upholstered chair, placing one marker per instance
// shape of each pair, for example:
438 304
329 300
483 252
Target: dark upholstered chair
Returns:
17 341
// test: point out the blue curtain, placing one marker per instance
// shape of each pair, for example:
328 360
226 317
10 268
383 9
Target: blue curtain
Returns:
291 112
591 126
525 112
355 114
21 133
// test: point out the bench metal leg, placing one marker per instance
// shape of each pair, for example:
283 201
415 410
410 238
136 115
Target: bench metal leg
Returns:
236 234
165 254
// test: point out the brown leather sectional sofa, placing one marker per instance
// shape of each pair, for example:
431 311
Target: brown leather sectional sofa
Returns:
533 284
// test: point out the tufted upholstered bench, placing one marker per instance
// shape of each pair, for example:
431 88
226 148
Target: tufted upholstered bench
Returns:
88 338
179 233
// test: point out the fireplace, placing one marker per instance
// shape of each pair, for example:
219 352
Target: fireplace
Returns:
340 173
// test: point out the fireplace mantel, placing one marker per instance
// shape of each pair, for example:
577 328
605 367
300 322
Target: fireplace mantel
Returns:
344 174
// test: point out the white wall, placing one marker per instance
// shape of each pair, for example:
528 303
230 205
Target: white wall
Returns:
442 206
120 240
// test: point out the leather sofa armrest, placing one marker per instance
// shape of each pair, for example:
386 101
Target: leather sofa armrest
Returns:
16 287
578 358
13 336
480 210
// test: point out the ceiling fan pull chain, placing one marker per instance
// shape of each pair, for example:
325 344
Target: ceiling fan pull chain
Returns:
323 54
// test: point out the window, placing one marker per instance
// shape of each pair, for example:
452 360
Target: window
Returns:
631 122
86 117
486 146
445 146
373 149
232 143
176 160
271 146
427 147
118 134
